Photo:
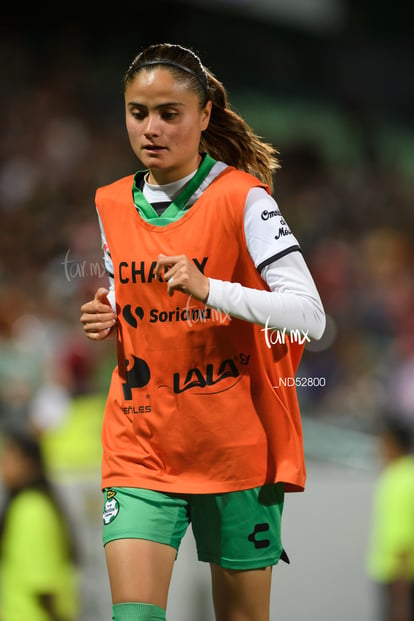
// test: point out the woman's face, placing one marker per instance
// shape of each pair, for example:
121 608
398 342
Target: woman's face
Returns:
164 123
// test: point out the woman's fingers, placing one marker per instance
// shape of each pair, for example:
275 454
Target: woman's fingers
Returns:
97 316
182 274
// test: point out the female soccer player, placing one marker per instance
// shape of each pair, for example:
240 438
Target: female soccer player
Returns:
212 303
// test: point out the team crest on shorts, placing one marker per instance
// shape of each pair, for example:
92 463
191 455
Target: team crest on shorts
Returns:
111 507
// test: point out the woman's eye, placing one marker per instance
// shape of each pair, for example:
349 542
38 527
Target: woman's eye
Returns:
168 116
139 115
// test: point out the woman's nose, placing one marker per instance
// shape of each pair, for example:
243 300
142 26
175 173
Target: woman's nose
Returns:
151 128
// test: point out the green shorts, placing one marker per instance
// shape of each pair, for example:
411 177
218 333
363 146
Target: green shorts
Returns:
236 530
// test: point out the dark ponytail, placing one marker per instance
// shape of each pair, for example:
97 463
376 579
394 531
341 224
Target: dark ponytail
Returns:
230 139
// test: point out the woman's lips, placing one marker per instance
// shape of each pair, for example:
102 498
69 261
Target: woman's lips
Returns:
153 147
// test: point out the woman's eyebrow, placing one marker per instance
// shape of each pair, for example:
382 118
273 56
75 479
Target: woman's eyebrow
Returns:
135 104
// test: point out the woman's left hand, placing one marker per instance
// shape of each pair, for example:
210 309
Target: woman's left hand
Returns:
182 274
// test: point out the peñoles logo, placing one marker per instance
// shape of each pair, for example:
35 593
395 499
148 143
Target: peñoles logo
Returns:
137 376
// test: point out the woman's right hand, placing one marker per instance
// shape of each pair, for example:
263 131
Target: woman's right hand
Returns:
97 316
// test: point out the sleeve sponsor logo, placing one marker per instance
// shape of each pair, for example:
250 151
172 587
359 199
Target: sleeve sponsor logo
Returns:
267 215
283 230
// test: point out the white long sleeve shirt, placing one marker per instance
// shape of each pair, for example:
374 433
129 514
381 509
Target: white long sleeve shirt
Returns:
293 302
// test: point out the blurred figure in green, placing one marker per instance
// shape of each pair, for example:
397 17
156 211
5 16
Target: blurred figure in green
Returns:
391 552
38 574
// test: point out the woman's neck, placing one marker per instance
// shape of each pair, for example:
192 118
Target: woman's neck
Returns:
164 177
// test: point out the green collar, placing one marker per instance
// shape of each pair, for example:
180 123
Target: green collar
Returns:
177 207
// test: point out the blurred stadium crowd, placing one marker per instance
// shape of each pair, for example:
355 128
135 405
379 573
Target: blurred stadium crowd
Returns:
354 223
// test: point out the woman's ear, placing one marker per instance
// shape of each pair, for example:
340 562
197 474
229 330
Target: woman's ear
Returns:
205 115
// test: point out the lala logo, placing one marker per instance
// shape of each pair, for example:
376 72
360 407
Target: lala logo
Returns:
203 378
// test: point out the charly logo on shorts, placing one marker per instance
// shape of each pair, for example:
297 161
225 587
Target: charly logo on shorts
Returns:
259 543
111 507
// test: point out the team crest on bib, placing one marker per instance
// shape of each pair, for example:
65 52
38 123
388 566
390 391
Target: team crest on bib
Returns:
111 507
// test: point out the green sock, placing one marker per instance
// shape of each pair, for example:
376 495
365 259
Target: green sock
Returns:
135 611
